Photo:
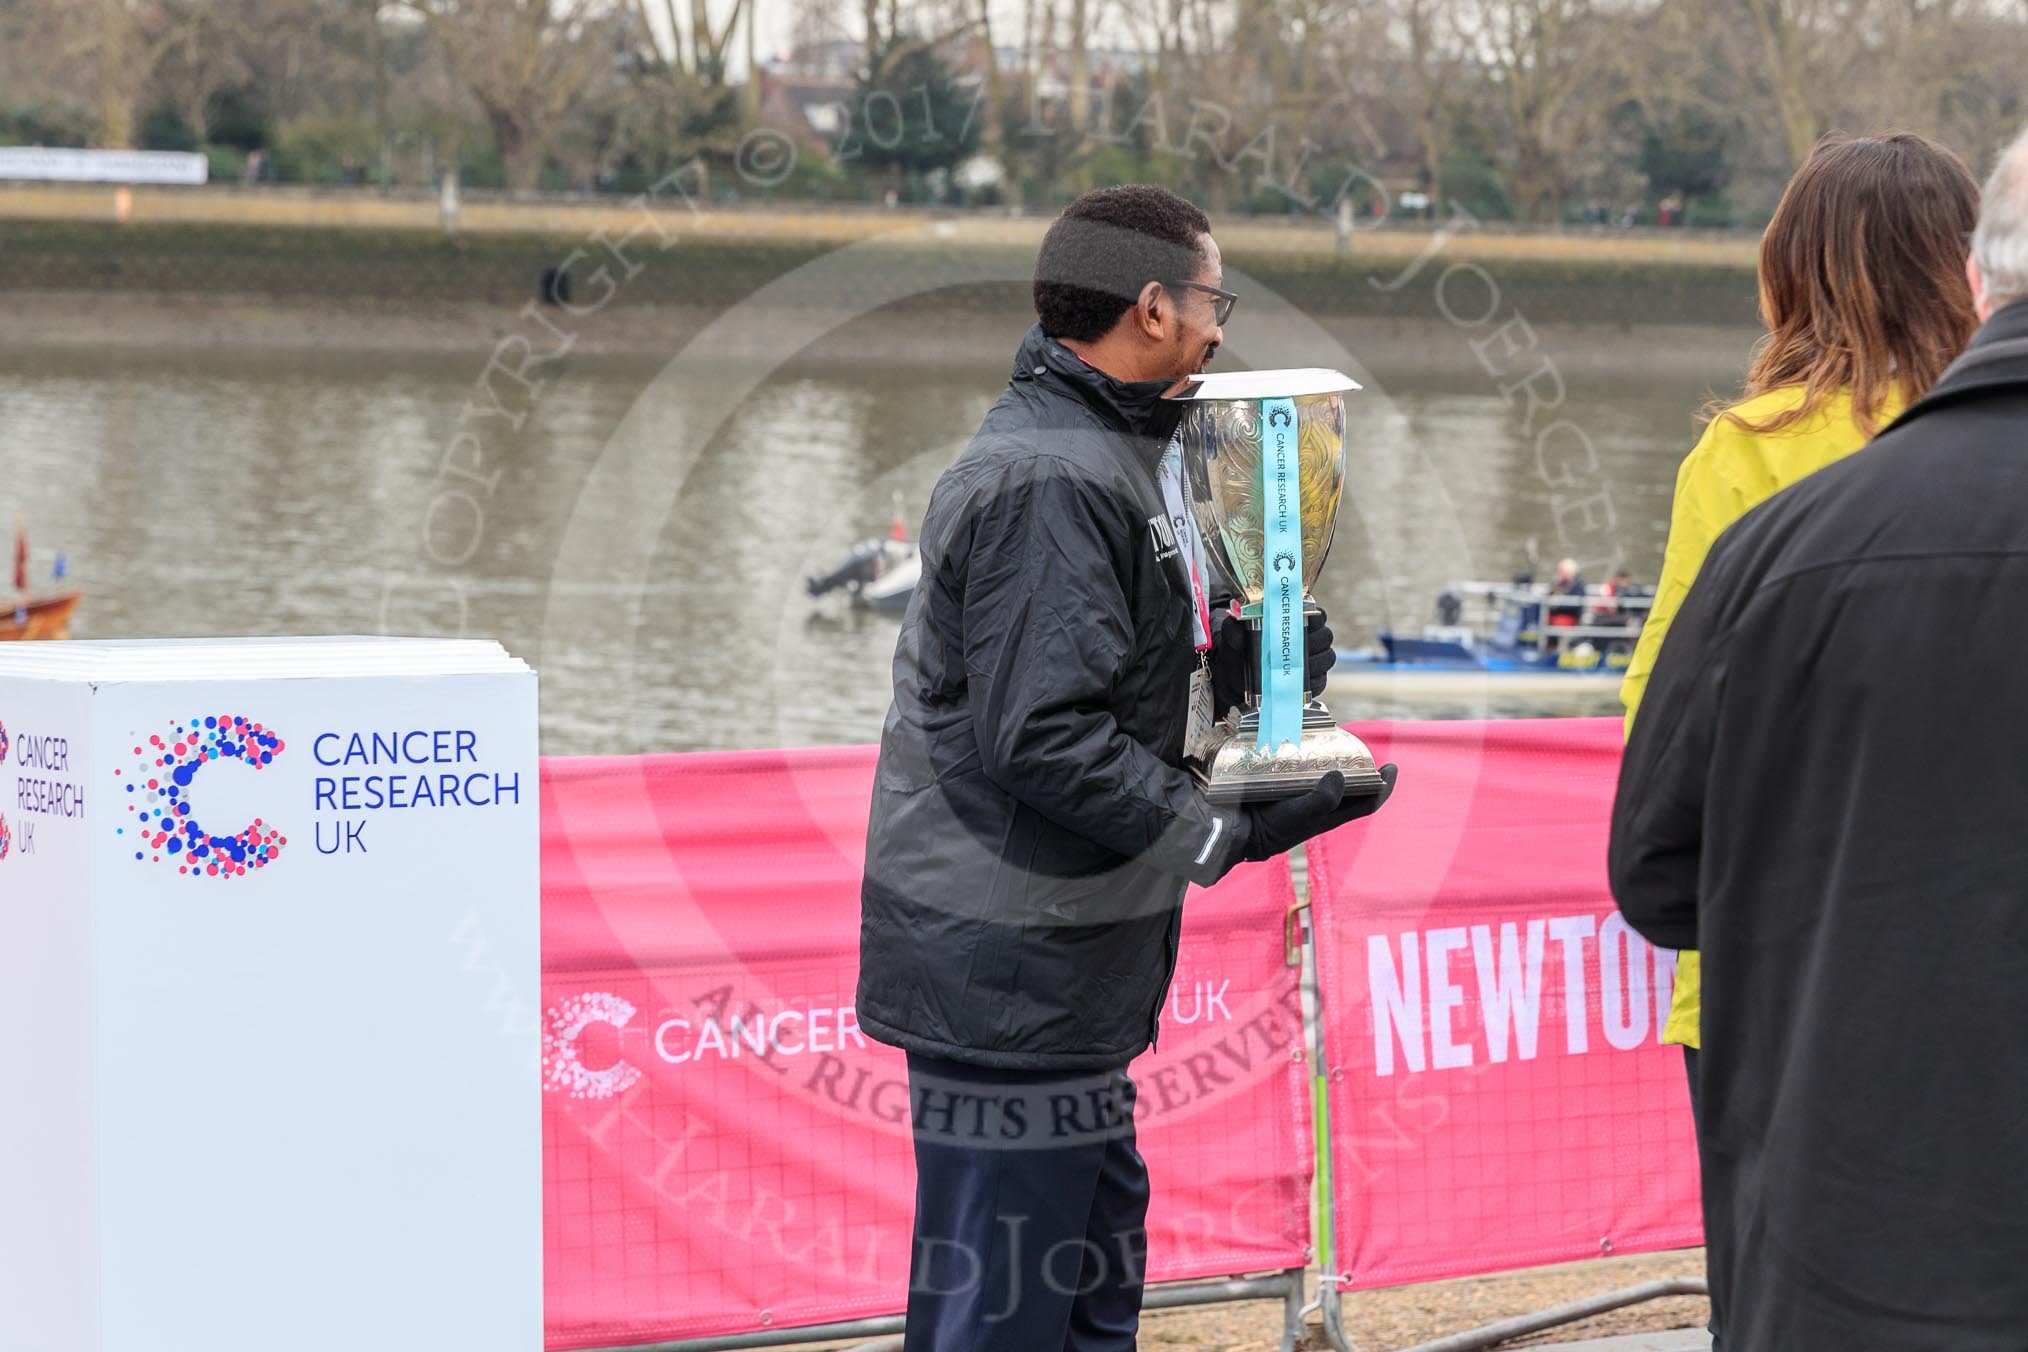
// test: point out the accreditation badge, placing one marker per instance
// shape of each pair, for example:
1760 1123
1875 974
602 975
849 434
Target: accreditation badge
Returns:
1197 733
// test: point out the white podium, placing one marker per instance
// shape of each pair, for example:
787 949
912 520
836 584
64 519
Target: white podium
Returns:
269 957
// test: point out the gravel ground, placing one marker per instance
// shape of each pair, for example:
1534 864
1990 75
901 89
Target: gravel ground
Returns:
1402 1316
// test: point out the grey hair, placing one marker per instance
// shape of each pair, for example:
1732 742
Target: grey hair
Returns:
2000 244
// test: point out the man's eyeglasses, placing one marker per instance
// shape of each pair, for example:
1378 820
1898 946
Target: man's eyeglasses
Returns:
1221 301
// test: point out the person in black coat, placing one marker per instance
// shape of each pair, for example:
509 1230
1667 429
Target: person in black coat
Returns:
1033 828
1827 794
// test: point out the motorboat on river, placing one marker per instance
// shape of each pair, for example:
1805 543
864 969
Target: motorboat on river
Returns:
1518 638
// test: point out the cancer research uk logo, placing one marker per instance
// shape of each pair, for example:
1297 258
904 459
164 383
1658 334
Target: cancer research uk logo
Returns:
582 1035
161 822
562 1071
6 836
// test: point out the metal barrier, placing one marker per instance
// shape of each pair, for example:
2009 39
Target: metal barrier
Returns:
1289 1286
1330 1302
1301 949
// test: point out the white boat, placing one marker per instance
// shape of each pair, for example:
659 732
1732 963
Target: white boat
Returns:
876 574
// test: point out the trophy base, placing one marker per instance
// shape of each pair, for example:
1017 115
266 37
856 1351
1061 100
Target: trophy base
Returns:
1234 772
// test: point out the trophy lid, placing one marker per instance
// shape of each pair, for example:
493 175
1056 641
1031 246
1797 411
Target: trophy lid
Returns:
1292 383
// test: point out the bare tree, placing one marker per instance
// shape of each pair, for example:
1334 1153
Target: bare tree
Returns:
201 60
114 49
1950 68
1432 57
128 38
1555 69
707 44
526 64
376 59
1807 52
1569 94
996 86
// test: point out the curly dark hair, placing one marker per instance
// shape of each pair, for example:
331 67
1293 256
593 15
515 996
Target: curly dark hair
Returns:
1105 247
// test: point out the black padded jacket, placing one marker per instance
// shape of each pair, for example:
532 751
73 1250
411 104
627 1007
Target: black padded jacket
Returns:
1031 823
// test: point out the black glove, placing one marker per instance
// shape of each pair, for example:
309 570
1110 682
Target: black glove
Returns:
1263 832
1319 654
1235 658
1276 828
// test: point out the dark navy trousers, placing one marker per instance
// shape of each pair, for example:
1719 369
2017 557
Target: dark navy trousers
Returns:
1031 1210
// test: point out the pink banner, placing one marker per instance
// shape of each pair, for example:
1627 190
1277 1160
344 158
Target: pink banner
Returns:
725 1151
1499 1095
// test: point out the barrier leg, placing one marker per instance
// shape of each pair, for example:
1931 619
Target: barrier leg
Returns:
1292 1310
1320 1117
1334 1320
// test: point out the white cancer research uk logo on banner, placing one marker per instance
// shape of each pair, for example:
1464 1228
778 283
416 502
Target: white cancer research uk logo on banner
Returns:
562 1071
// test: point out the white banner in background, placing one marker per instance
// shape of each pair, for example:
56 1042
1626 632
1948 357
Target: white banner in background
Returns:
60 165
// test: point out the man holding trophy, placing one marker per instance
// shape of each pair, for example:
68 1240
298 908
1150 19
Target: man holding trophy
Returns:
1103 692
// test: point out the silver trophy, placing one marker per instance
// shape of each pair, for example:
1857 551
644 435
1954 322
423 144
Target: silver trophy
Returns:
1263 461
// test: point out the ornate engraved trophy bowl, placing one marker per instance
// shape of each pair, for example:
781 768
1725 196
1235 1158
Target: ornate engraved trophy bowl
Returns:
1263 460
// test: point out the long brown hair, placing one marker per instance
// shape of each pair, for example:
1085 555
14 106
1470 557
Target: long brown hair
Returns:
1862 277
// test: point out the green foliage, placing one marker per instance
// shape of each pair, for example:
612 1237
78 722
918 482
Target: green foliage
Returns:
481 166
237 121
1472 178
667 120
164 129
1264 199
910 113
1104 164
1324 181
1684 152
314 149
228 163
32 125
1716 214
815 176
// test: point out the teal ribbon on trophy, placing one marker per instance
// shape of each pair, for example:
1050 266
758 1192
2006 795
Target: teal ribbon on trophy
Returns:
1281 620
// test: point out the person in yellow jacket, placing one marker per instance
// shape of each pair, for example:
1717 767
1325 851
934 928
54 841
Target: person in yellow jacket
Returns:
1732 469
1863 290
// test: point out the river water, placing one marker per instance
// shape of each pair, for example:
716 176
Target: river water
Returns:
646 536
